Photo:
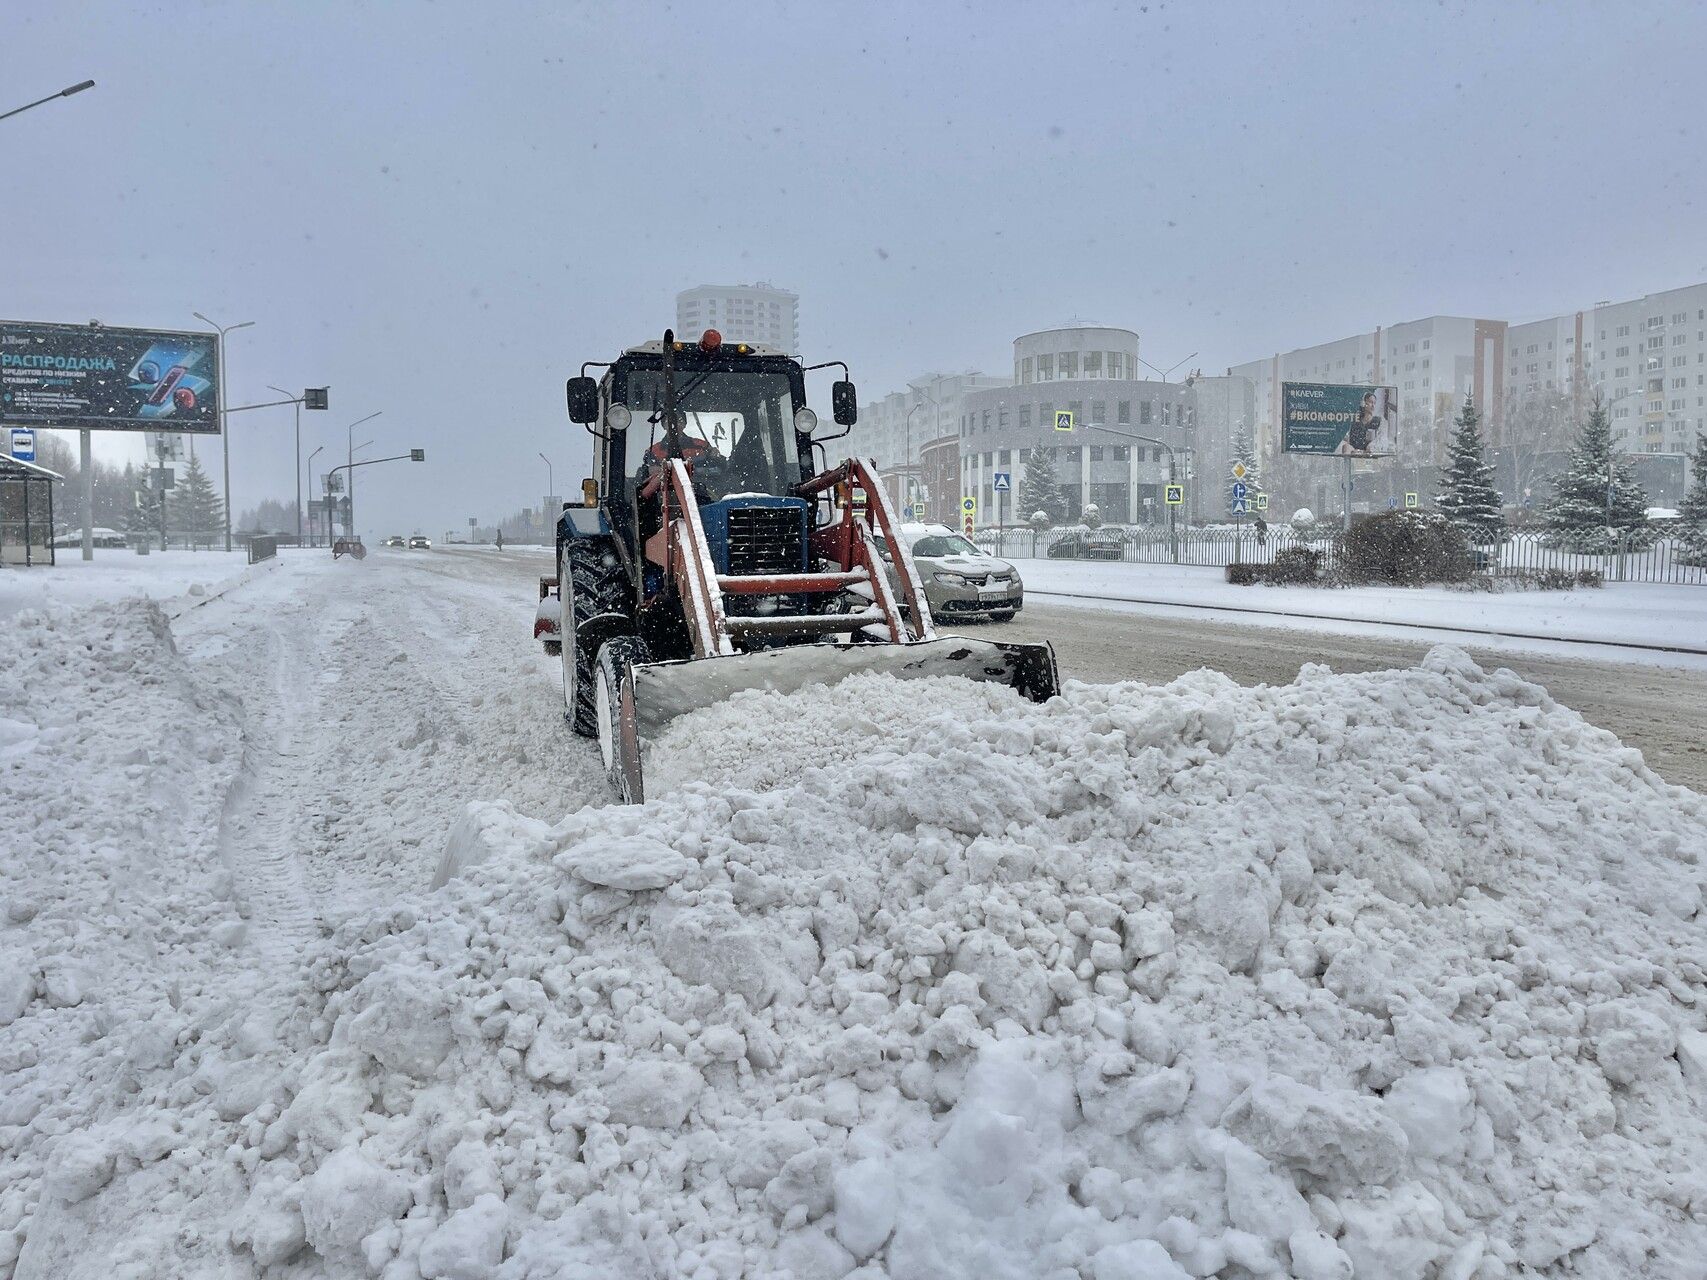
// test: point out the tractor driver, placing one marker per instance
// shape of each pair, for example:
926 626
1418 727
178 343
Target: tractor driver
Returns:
705 465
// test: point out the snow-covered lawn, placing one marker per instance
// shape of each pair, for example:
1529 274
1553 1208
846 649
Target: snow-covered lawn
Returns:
175 577
1399 974
1623 613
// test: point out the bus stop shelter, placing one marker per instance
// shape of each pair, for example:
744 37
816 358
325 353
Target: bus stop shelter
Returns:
26 512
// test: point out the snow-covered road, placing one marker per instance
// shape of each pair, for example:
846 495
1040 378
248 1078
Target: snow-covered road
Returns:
1393 974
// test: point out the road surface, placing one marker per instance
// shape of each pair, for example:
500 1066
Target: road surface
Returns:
1659 710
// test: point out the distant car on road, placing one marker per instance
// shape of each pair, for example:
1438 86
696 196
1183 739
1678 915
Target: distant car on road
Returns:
1088 544
395 540
420 543
960 580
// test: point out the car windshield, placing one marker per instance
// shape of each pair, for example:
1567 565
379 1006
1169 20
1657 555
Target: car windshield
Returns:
939 544
743 422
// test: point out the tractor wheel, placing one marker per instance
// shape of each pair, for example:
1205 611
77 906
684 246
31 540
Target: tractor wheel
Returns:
590 582
616 656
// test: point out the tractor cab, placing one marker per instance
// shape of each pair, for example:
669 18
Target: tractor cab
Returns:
741 427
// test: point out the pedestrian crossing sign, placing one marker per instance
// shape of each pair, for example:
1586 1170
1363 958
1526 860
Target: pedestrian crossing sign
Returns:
1262 502
1175 495
1063 419
1412 501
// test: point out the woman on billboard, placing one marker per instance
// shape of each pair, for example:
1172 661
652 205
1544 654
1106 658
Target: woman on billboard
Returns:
1372 410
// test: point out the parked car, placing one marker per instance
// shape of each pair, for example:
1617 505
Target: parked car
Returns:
960 580
1087 544
420 542
395 540
103 538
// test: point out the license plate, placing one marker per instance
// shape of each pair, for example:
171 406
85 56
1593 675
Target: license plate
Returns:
992 593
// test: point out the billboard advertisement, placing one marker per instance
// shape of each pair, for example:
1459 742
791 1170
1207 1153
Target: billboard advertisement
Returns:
76 376
1339 420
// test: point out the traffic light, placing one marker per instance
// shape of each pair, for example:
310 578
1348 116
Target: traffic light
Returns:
314 397
417 455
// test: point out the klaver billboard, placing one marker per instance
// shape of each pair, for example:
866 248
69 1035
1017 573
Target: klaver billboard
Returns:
76 376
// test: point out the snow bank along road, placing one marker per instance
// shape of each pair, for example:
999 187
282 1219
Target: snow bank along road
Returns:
1384 974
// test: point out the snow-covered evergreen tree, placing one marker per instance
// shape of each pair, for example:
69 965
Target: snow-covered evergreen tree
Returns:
1467 496
194 506
1039 490
1597 502
1245 451
1692 515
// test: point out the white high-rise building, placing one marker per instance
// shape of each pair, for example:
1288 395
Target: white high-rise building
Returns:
1648 362
742 313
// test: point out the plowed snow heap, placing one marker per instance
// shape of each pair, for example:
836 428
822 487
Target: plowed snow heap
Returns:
1394 975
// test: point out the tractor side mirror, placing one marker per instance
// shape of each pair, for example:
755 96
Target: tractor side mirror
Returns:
583 395
844 402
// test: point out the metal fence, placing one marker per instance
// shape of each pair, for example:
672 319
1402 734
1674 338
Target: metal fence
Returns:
1518 554
262 547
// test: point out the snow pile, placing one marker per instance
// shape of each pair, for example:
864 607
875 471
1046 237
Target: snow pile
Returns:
116 909
1389 975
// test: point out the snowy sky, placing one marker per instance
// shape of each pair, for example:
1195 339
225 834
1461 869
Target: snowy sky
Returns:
441 209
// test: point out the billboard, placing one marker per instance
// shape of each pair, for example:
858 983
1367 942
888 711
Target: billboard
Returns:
1339 420
79 376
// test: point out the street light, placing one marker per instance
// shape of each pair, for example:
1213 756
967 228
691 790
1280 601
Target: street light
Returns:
550 484
63 93
349 458
1164 374
224 426
297 408
311 458
1173 477
917 404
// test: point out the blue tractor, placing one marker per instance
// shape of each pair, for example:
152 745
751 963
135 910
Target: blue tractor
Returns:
716 550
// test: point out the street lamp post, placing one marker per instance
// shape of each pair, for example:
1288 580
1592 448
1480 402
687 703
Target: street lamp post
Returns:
1173 476
297 406
63 93
349 460
907 476
550 483
311 457
224 426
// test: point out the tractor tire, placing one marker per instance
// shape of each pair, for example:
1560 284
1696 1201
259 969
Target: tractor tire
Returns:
616 656
590 582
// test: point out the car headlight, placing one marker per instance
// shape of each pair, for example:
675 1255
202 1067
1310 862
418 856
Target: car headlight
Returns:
955 579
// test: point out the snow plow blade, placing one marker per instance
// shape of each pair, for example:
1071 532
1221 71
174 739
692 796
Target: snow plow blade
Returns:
656 694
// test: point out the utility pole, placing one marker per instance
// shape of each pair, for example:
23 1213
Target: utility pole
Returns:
312 540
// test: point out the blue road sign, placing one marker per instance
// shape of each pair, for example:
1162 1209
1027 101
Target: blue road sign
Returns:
1239 491
1238 506
1001 482
23 444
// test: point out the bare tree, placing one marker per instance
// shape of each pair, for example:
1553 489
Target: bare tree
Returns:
1536 434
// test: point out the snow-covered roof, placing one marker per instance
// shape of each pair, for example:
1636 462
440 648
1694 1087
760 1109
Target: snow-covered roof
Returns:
9 463
656 347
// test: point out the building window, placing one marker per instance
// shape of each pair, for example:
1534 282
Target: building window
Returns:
1096 453
986 426
1046 368
1068 363
1123 412
1002 414
1025 370
1078 410
1121 452
1003 458
1167 414
1045 414
1099 412
1145 409
1093 364
1025 417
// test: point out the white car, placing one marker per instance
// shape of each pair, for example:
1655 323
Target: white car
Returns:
420 543
960 580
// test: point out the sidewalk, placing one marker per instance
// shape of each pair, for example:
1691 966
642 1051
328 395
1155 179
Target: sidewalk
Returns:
1619 613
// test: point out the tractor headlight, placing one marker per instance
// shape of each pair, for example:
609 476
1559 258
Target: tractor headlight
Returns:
805 421
617 417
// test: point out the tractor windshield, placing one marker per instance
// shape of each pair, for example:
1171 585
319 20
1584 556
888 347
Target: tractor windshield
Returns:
739 428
